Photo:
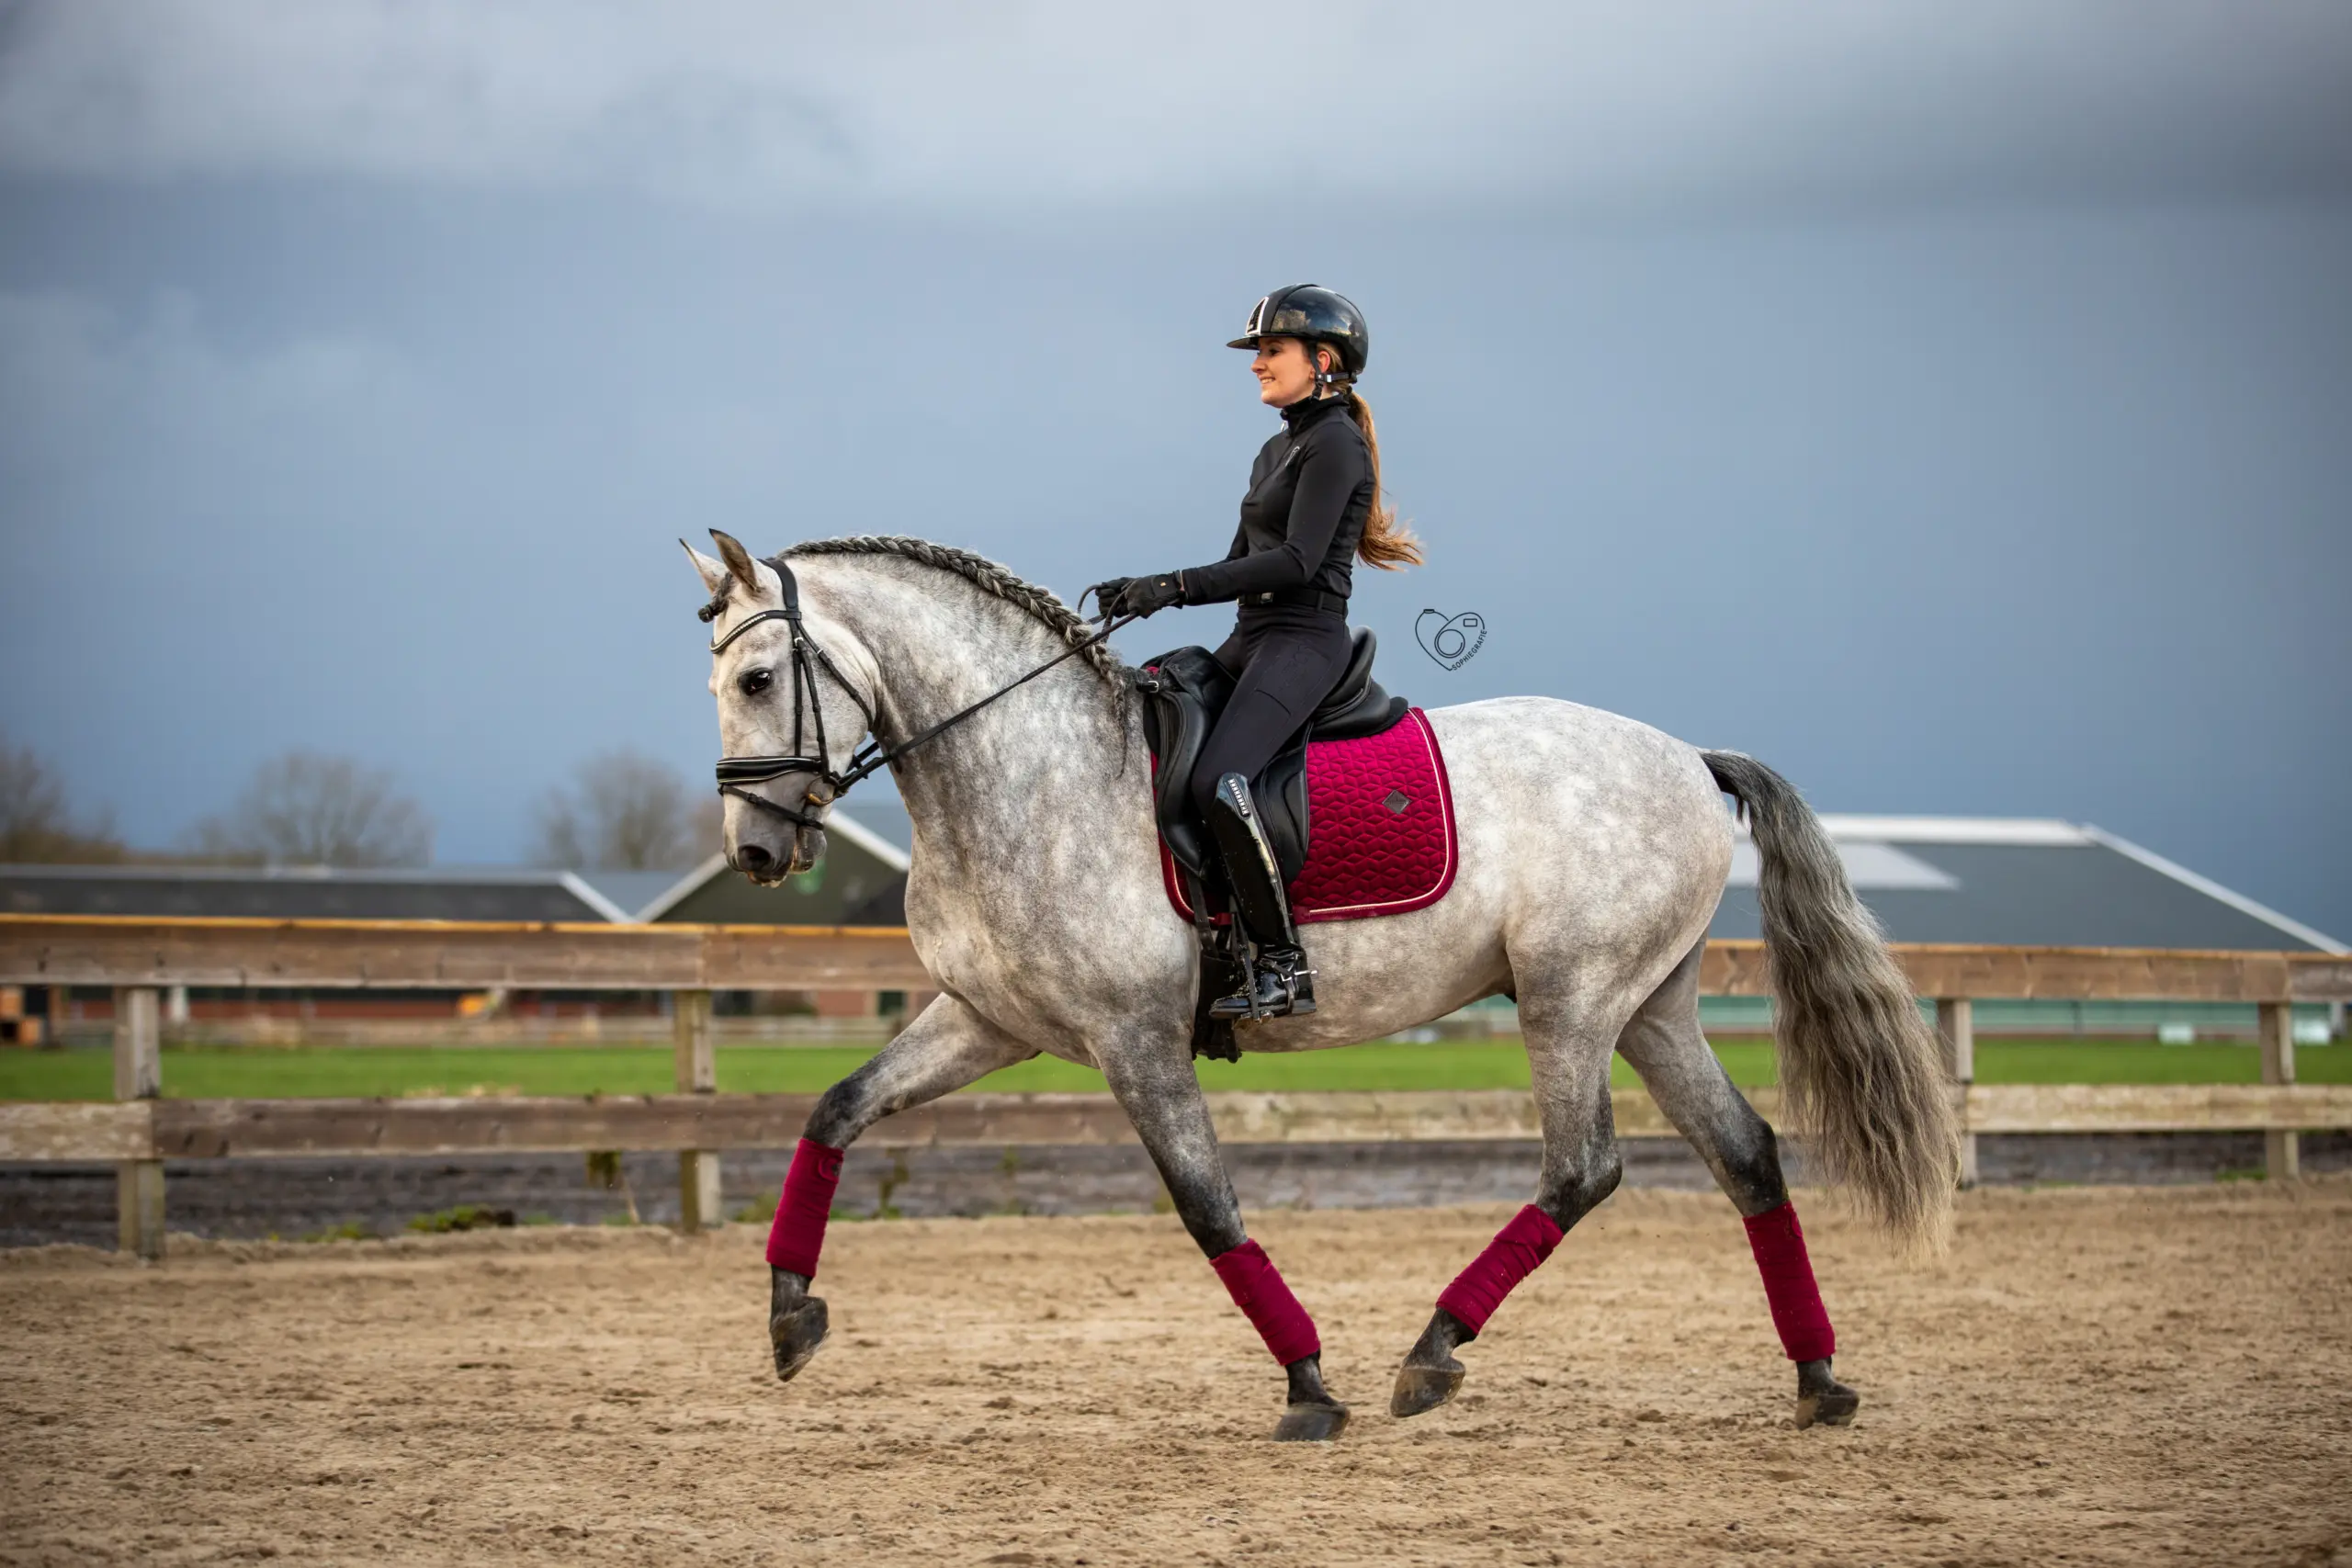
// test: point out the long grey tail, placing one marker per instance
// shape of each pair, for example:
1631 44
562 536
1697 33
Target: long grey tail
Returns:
1861 1071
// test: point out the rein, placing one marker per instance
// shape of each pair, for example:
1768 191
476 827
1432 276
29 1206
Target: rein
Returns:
736 773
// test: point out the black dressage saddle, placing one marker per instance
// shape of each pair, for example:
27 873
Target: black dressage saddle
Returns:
1185 691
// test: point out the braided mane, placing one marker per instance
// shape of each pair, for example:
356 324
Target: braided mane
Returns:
1042 604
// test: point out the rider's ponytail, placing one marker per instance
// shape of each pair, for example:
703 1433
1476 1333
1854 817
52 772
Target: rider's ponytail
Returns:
1385 543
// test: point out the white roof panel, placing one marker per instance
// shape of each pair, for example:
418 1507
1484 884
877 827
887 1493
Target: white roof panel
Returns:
1868 866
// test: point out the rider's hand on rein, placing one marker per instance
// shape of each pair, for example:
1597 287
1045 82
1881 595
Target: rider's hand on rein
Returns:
1144 595
1106 596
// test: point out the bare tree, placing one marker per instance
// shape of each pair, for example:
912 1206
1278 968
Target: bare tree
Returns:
38 825
304 808
625 812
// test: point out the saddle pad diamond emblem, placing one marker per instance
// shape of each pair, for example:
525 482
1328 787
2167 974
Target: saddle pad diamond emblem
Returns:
1375 844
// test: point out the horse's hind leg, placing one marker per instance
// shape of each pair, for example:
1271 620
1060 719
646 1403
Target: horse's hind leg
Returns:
1567 1053
947 1046
1664 1044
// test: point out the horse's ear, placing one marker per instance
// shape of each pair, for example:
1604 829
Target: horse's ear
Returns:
712 572
758 582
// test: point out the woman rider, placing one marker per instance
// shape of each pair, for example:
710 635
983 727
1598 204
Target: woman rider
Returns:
1314 505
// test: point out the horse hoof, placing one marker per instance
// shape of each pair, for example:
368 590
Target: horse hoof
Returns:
1832 1406
1312 1423
1424 1388
796 1335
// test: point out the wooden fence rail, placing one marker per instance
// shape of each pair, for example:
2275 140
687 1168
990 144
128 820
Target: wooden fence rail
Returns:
141 1130
260 1128
109 950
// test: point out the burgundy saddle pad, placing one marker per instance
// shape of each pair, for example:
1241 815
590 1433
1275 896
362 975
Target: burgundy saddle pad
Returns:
1381 839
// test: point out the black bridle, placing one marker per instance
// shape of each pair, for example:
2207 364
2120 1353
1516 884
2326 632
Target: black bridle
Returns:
736 773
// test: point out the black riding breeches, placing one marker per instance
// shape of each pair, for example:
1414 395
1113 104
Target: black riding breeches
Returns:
1285 660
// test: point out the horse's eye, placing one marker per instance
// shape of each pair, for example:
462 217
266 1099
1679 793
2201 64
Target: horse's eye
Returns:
752 682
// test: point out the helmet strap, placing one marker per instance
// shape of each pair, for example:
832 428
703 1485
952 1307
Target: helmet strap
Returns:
1331 382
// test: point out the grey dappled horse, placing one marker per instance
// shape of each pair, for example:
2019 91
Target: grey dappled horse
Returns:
1593 853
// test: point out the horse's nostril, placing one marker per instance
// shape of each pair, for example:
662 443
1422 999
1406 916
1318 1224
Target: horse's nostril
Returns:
752 858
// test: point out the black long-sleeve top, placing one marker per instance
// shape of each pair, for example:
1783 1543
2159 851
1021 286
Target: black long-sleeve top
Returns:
1311 491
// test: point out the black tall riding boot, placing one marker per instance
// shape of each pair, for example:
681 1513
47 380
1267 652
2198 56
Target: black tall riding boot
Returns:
1277 981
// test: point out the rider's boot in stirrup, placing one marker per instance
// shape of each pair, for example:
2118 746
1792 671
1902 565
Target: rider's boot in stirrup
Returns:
1277 981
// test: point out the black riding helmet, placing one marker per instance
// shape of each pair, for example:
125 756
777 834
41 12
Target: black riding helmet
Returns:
1314 314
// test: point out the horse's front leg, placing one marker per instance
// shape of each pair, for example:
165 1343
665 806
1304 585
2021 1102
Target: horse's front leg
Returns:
1162 1098
947 1047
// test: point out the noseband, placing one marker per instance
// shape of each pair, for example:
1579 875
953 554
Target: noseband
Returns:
808 656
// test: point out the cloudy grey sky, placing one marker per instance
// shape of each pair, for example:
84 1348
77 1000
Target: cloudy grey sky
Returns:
1950 405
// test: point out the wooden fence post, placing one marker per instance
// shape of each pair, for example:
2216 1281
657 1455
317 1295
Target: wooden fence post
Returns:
138 1075
1956 1027
699 1201
2282 1151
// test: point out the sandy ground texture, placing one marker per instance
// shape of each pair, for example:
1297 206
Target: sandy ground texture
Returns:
2095 1376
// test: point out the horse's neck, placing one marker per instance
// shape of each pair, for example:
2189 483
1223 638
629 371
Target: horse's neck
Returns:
988 784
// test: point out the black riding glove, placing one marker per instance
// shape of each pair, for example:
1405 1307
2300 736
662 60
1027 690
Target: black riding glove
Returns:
1106 594
1143 595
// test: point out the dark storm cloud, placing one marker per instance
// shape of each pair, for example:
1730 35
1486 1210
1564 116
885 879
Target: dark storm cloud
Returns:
1970 438
1662 101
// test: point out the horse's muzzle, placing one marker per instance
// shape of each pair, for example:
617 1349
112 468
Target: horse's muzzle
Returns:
769 863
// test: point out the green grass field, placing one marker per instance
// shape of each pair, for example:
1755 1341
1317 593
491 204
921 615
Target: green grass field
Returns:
215 1072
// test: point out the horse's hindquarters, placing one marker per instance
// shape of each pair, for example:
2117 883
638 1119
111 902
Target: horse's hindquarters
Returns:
1592 852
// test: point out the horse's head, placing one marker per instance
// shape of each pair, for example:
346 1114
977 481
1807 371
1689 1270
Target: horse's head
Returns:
794 691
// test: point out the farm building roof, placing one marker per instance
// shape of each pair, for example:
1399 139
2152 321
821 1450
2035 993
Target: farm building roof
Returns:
295 893
861 881
2028 881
